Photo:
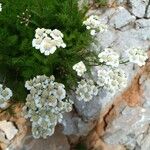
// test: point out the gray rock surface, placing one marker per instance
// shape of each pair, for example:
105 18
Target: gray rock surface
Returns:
124 32
121 18
124 130
148 12
132 127
74 125
138 7
145 144
143 23
56 142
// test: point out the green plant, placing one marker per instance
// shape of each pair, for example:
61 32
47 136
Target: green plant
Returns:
80 146
101 2
19 61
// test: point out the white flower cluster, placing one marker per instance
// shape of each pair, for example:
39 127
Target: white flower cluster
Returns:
137 55
45 105
47 41
5 95
94 24
80 68
112 80
109 57
86 90
0 7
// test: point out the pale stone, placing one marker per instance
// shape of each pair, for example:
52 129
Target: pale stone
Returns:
121 18
148 12
57 141
74 125
9 129
106 39
145 145
3 138
127 127
138 7
143 23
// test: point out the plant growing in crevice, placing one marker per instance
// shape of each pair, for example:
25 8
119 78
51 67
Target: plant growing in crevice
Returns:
19 61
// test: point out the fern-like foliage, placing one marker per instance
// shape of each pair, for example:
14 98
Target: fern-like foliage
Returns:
101 2
19 61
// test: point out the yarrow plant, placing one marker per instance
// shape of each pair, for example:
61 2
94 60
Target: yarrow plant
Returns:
136 55
111 80
47 40
80 68
86 90
109 76
109 57
63 36
5 95
95 25
45 105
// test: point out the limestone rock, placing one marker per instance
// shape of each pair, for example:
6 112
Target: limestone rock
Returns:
146 94
131 123
143 23
148 12
9 129
58 141
145 145
3 138
121 18
106 39
138 7
132 38
74 125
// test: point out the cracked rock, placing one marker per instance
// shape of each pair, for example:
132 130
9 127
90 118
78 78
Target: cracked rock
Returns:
148 12
121 18
9 129
142 23
138 7
125 129
74 125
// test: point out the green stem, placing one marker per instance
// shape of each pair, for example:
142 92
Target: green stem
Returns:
124 62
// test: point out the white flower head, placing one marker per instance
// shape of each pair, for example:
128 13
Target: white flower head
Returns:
5 95
48 46
47 40
136 55
86 90
109 57
95 25
45 105
111 80
80 68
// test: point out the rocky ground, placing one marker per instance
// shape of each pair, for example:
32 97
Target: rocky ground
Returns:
106 123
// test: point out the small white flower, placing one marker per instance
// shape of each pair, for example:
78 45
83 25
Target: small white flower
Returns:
56 34
93 32
94 24
37 43
112 80
48 47
80 68
136 55
86 90
47 40
5 95
45 105
0 7
109 57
